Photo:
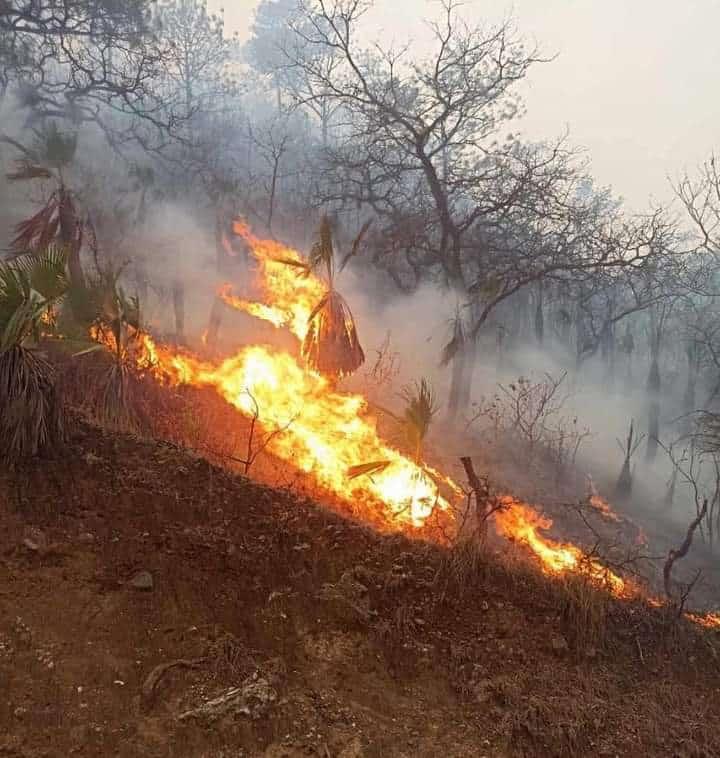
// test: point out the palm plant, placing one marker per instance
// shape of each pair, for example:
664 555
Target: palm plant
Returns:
331 345
31 411
421 407
58 221
112 320
412 427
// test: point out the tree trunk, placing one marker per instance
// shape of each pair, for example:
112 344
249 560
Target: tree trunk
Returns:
178 294
218 307
653 388
456 383
69 238
689 396
471 349
539 317
273 189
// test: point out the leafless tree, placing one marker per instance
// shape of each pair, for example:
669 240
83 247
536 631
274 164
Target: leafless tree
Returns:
420 144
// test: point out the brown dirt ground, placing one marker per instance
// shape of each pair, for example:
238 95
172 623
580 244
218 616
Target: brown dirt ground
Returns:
344 642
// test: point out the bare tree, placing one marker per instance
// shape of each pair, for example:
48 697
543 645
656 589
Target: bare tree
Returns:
86 60
420 144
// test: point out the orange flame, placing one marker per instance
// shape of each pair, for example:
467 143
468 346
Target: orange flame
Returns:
318 430
599 503
289 290
707 620
518 521
325 432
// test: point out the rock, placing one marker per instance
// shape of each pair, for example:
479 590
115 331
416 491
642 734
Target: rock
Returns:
19 712
253 698
143 580
31 545
559 644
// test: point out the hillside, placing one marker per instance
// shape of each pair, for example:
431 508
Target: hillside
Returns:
154 605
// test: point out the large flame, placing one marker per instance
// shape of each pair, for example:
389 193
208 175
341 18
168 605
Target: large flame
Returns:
317 429
327 433
288 290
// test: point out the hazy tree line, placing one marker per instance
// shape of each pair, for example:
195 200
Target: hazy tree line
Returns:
116 108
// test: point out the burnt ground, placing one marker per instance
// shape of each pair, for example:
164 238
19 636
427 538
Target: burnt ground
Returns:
294 632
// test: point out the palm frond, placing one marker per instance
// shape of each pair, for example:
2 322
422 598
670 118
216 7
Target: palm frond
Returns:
356 244
421 407
297 264
367 469
455 345
39 230
332 346
322 253
32 418
45 270
56 148
25 170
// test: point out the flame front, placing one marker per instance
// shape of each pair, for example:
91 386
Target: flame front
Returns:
325 433
318 430
519 522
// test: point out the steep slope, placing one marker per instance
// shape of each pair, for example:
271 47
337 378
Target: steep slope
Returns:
292 632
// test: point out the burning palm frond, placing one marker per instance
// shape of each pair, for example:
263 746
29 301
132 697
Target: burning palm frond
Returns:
367 469
331 345
113 322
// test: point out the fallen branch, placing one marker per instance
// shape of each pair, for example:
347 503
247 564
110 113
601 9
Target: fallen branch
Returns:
153 678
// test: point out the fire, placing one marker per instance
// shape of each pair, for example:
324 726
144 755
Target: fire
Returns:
599 503
289 291
518 521
707 620
317 429
327 433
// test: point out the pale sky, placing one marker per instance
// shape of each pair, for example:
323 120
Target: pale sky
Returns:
635 81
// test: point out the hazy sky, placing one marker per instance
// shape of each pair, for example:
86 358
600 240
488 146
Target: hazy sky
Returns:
635 81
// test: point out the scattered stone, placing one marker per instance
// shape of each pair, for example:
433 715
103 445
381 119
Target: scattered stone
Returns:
559 644
19 712
143 580
31 545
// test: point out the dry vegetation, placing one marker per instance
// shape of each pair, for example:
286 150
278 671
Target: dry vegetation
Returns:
286 630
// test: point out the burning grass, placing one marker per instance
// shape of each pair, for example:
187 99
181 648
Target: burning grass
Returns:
331 436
